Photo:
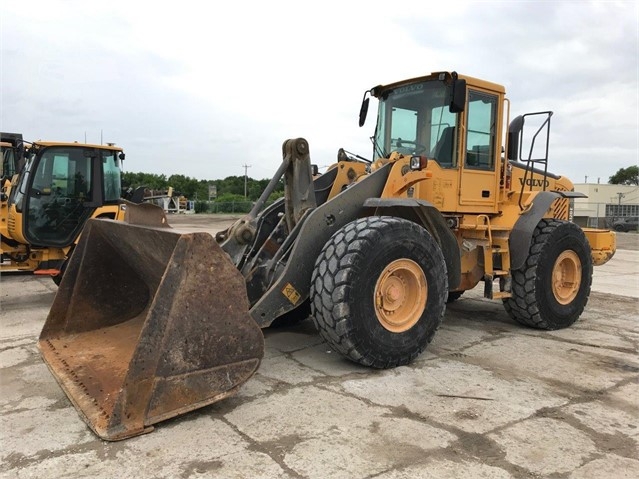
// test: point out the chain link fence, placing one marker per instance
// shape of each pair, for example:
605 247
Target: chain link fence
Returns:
602 215
593 215
225 206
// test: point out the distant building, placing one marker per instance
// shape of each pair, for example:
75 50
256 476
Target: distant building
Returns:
605 203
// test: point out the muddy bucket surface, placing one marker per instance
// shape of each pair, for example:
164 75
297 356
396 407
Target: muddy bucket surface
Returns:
148 324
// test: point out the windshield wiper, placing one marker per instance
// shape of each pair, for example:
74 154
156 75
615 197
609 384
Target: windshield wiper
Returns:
377 149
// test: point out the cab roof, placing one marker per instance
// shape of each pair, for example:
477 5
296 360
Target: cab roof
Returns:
471 81
76 144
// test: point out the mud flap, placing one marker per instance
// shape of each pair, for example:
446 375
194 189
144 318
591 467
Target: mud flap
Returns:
148 324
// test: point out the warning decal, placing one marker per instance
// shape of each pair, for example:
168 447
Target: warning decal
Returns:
291 293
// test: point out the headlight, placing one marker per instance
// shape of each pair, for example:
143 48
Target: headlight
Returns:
418 162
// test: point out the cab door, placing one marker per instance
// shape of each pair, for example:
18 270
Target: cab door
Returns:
59 199
478 184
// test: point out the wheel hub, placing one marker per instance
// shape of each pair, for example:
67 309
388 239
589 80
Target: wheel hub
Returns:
400 295
566 277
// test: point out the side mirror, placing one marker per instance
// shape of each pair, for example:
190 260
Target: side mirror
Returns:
363 111
458 96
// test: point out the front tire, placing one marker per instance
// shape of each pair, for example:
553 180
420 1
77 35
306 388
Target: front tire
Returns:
551 290
379 290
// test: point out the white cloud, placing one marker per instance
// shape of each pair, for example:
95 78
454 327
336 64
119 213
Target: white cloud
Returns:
201 88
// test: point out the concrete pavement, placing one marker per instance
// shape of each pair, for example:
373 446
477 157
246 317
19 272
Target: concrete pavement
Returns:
488 399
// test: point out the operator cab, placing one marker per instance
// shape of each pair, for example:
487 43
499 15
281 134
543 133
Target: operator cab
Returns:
452 121
61 187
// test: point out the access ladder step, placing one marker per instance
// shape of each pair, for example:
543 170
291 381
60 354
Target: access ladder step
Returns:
497 285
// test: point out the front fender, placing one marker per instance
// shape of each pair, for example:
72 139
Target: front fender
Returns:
427 215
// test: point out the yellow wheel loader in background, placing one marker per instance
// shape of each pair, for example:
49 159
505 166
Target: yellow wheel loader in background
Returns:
12 149
49 191
149 323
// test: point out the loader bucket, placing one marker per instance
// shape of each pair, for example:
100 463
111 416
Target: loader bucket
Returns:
148 324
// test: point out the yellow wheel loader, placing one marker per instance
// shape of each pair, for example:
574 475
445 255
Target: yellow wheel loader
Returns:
12 149
49 191
457 194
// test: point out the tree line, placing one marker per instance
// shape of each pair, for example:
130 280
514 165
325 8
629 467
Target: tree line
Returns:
229 189
625 176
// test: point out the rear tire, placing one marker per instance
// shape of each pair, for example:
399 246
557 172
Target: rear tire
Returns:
378 291
551 290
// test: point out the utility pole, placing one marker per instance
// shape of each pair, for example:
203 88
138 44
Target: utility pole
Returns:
620 195
246 167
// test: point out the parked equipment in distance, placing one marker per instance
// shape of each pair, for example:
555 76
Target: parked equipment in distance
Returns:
49 191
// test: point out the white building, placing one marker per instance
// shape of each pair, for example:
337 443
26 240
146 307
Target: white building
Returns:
605 203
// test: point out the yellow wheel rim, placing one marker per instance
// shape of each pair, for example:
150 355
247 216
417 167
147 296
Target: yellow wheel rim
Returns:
400 295
566 277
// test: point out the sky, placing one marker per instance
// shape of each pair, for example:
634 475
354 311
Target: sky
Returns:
213 89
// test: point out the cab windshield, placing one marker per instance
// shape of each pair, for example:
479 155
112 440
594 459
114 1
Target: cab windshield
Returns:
415 119
61 187
112 176
9 162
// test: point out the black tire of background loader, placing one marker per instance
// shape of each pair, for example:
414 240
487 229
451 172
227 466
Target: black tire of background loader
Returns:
533 303
57 279
344 279
454 296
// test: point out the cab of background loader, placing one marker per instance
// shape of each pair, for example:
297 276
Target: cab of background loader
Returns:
12 149
59 188
9 162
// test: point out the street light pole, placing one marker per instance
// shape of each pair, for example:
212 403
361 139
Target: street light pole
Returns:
246 167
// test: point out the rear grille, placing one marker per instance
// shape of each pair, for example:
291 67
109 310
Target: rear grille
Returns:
561 208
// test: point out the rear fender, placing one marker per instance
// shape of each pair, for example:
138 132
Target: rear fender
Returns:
521 235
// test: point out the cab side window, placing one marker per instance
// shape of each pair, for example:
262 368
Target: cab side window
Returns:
481 131
442 137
